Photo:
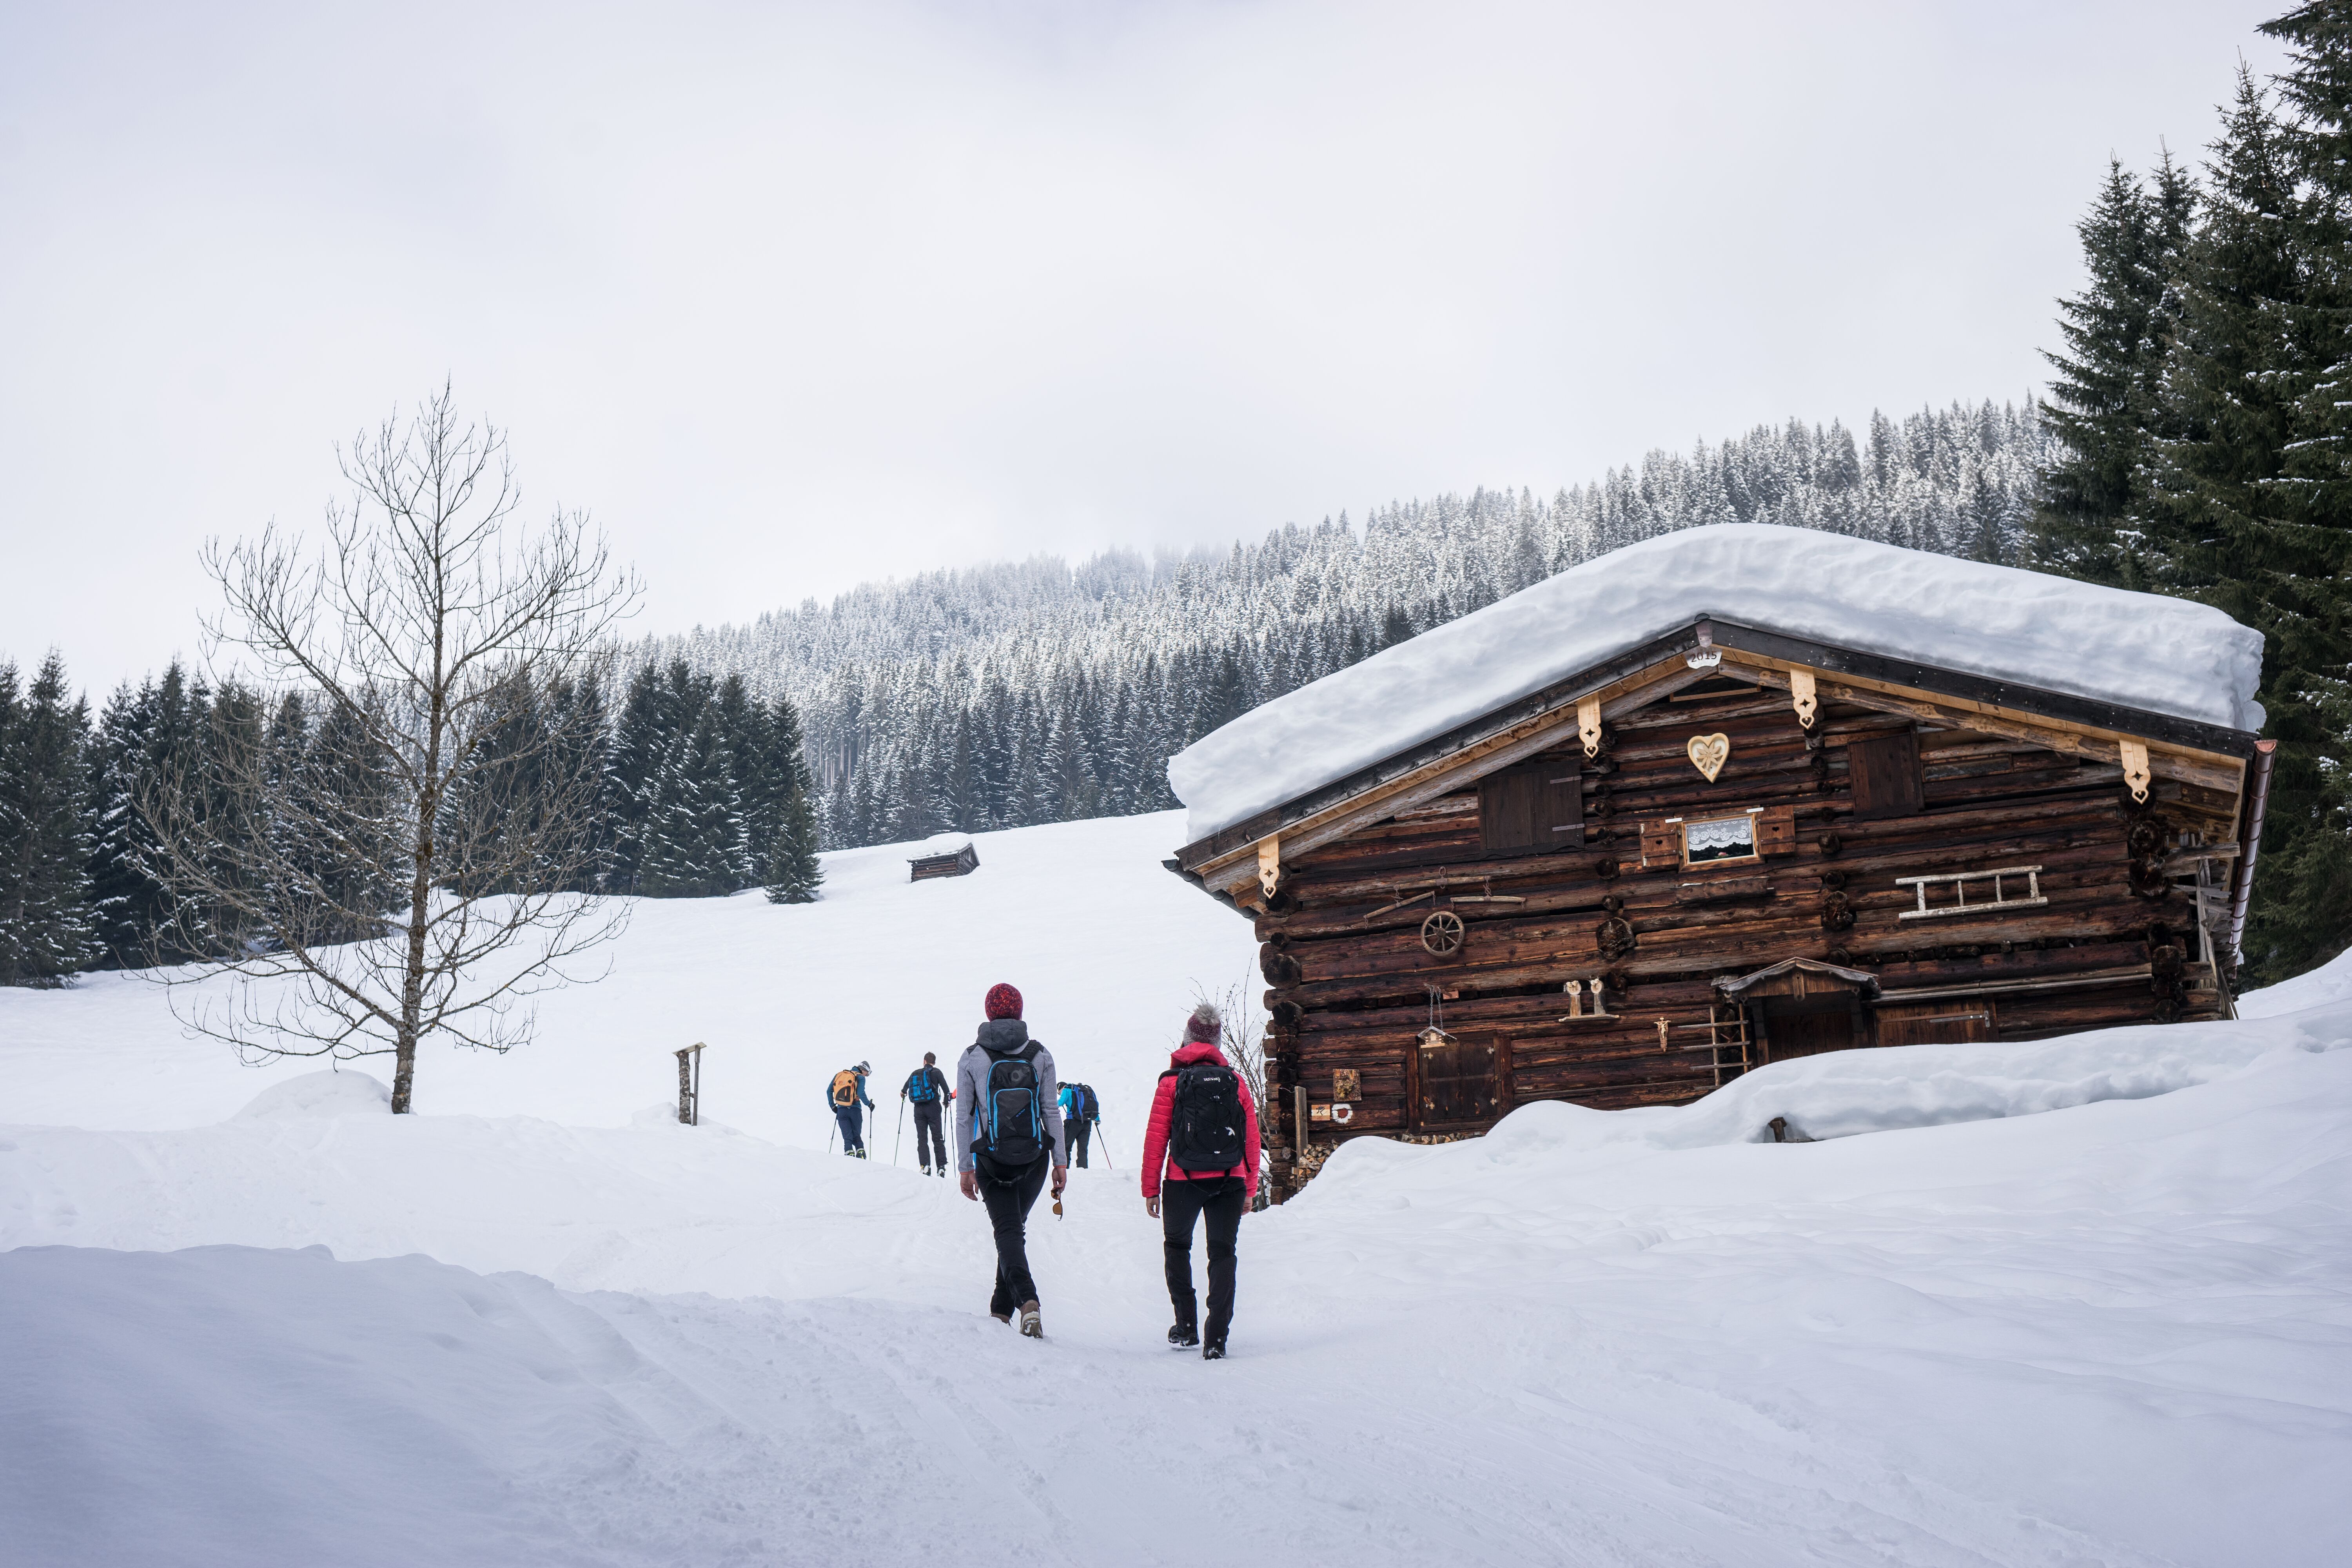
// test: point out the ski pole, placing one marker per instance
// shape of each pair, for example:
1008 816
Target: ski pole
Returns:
1106 1144
901 1138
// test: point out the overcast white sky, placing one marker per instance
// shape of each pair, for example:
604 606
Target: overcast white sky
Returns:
787 297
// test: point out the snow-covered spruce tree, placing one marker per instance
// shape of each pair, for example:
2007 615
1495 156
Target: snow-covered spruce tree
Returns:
428 618
2106 392
45 917
2238 516
143 735
794 873
2286 567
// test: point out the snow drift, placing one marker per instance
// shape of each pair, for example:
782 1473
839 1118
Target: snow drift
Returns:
2166 656
1840 1094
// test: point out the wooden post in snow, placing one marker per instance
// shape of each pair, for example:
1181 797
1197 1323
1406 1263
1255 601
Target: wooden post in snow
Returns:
689 1085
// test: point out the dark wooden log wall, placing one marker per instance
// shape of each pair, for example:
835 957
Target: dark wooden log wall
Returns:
1352 987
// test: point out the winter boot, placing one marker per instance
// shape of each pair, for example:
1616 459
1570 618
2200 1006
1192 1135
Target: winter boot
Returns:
1031 1327
1214 1350
1184 1336
1002 1317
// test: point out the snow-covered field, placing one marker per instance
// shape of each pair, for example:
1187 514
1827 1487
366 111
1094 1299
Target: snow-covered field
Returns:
2086 1301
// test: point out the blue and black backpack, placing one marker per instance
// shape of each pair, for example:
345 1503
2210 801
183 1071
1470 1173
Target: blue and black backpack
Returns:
1008 1125
919 1087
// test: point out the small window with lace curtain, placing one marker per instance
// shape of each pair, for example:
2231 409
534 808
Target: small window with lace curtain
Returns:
1719 838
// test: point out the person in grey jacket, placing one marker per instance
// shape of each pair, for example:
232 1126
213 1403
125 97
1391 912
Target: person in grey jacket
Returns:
1020 1121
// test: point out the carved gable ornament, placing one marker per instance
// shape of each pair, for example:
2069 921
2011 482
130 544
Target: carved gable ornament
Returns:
1708 753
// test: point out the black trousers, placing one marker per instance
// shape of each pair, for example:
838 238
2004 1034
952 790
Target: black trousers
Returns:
1079 1134
1221 1201
852 1138
1008 1214
927 1125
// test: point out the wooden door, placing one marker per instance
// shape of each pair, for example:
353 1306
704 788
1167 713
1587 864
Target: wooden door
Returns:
1458 1080
1808 1031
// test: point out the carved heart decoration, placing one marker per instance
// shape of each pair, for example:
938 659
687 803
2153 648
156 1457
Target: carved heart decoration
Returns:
1708 753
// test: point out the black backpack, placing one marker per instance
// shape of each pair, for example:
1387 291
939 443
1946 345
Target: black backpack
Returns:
1204 1128
919 1087
1083 1103
1008 1126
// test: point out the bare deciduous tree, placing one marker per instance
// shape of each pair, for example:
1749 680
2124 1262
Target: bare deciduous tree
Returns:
429 862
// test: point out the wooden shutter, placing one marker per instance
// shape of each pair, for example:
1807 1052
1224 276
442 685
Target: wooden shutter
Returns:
1885 776
1661 844
1559 807
1459 1082
1531 810
1776 830
1506 812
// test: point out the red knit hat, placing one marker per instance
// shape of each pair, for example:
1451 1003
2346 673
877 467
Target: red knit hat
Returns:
1003 1002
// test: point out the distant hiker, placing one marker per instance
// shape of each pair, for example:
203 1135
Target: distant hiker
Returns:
927 1089
1008 1132
847 1093
1204 1126
1081 1111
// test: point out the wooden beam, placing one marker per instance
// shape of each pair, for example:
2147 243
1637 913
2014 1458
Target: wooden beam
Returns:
2207 770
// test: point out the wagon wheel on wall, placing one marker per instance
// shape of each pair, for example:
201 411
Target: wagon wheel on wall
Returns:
1441 932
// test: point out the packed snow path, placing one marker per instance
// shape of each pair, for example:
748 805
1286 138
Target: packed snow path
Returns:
2113 1332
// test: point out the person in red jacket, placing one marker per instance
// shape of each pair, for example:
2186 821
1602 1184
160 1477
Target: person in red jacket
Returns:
1204 1133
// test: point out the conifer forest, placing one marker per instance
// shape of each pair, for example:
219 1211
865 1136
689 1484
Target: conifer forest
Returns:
2194 441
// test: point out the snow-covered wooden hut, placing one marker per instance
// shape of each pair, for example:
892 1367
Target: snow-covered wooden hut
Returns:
947 854
1721 798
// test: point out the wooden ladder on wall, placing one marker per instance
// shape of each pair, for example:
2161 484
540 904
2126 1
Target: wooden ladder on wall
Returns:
1726 1037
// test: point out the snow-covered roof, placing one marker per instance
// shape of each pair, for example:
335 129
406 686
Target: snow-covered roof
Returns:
2140 651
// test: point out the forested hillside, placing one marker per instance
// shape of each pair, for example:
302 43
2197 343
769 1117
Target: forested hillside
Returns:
999 696
1005 695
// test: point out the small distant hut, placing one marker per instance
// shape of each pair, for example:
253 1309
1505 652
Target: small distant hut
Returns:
953 860
1722 798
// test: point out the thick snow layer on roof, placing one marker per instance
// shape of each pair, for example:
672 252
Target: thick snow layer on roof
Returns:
2168 656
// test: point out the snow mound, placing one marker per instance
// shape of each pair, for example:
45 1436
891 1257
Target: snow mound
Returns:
2165 656
2329 983
229 1406
318 1094
1842 1094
